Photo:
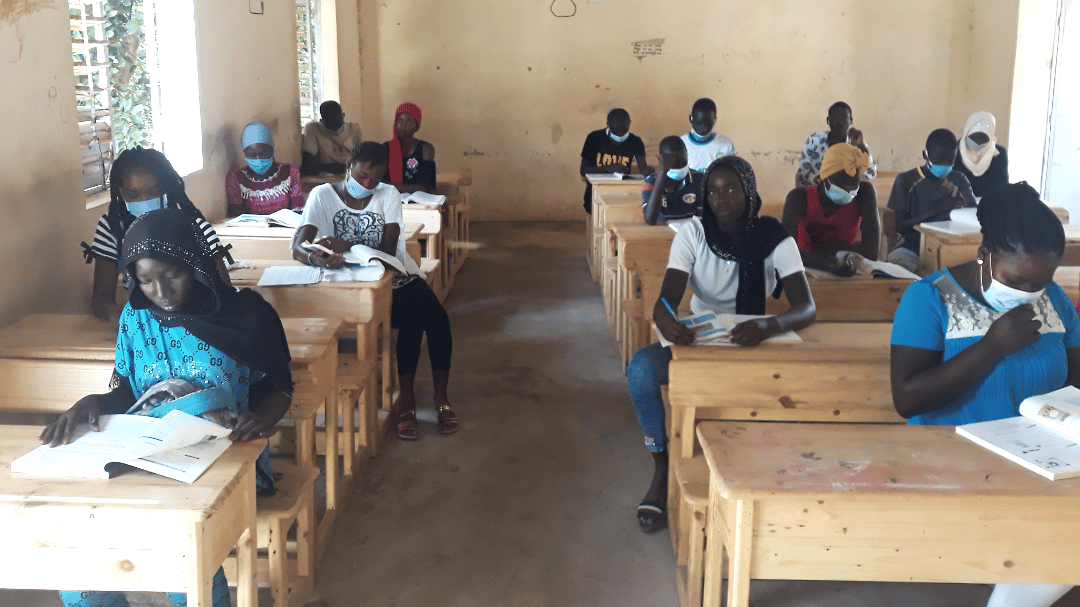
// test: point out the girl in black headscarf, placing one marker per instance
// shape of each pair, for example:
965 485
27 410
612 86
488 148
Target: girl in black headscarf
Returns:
731 259
183 322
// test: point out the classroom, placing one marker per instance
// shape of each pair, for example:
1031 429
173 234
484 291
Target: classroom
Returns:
537 499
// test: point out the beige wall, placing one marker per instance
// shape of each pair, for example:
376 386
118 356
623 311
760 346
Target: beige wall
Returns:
511 91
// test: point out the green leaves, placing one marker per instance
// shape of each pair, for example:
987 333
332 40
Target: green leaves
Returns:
132 119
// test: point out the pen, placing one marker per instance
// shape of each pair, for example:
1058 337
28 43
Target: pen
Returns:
668 306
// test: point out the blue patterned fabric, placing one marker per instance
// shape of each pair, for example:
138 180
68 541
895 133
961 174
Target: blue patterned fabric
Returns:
94 598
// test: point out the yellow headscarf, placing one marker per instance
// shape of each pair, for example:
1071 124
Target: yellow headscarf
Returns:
844 157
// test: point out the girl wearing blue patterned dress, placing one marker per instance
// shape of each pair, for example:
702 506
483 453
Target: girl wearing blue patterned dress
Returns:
184 324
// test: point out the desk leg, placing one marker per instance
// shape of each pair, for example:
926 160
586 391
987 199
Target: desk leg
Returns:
247 586
348 431
330 400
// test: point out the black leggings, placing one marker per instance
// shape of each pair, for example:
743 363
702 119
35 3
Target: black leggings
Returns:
417 310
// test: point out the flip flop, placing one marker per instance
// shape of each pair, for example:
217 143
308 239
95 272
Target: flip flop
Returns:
448 423
650 518
407 426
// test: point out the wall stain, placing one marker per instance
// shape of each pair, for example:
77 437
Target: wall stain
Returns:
556 133
12 12
472 152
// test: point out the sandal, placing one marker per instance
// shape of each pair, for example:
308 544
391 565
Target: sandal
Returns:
407 426
650 518
448 423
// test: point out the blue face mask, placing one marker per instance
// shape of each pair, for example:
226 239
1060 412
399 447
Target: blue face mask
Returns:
678 174
618 138
1001 297
937 170
353 187
260 165
144 206
838 194
701 139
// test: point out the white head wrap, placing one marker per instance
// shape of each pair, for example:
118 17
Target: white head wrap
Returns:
977 159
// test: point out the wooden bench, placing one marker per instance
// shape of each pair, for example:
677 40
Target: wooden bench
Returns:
603 185
838 373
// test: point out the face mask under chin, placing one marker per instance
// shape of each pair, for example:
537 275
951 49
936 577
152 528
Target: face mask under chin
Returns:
140 207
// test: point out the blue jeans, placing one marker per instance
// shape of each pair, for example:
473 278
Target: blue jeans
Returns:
648 370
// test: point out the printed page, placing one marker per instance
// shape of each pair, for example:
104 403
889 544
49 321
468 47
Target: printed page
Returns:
362 254
186 464
368 272
174 431
423 198
1059 410
1033 446
247 219
715 329
91 452
884 269
284 217
275 276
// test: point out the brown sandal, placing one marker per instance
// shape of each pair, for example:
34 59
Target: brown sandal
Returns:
407 426
448 423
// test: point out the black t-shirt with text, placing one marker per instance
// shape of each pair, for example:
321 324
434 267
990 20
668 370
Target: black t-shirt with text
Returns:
601 149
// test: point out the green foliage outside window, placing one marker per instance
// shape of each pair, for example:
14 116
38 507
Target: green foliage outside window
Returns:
132 119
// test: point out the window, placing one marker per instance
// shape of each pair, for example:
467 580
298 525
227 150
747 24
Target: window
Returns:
121 101
307 26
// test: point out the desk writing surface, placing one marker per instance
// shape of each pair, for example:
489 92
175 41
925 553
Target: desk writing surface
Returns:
132 491
83 337
641 230
864 342
251 231
756 458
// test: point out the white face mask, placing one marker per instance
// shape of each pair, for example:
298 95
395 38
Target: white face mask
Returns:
678 174
838 194
1001 297
618 138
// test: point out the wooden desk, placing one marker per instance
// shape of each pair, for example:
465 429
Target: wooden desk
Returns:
363 304
878 503
266 242
136 532
838 372
853 299
939 249
602 185
632 242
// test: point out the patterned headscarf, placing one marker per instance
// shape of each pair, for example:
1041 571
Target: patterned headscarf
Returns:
239 323
396 165
844 157
758 236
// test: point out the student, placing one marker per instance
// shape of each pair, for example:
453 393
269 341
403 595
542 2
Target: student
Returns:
183 322
731 259
825 217
329 143
840 130
927 193
611 150
412 161
703 145
141 180
971 341
980 158
672 191
362 210
263 186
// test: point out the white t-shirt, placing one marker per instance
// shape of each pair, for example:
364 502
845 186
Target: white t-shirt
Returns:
700 155
332 217
715 281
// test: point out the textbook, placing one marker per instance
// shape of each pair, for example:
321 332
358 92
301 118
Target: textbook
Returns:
960 223
865 267
179 446
714 329
362 255
422 198
1044 438
284 218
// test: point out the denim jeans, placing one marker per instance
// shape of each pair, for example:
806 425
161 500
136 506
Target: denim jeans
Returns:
648 370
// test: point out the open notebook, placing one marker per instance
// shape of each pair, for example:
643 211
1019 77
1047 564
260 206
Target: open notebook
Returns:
283 218
961 222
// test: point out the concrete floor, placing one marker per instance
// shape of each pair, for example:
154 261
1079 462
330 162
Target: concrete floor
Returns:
531 503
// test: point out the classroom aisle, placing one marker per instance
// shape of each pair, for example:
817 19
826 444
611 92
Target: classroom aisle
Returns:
531 503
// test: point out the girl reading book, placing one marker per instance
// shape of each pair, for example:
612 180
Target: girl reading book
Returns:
973 340
361 210
183 322
731 259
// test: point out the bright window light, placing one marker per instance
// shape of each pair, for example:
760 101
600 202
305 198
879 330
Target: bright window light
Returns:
175 83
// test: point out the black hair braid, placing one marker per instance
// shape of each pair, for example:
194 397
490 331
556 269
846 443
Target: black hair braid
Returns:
154 162
370 151
1014 219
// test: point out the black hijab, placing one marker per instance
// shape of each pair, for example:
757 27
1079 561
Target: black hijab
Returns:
759 236
239 323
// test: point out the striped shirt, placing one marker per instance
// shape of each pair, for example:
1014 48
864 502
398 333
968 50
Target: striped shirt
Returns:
105 245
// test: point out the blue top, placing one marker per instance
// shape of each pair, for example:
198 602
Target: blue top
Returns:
148 353
936 313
